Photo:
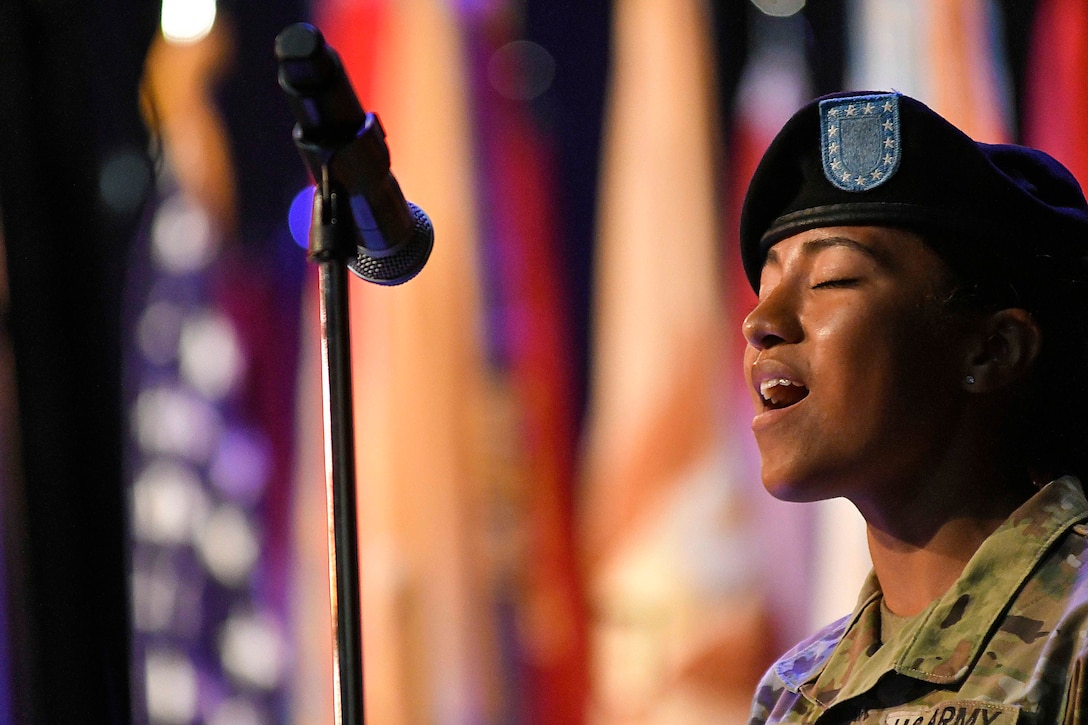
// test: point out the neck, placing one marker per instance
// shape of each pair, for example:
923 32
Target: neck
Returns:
921 542
911 576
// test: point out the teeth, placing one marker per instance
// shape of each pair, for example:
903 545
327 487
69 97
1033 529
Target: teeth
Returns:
766 386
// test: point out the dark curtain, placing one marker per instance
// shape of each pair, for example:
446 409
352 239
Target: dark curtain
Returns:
72 173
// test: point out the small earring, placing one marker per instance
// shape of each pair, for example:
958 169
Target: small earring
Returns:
970 379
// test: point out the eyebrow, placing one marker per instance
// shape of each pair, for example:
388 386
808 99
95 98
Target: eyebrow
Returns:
813 246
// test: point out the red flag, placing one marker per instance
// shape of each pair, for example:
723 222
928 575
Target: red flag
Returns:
1056 95
532 382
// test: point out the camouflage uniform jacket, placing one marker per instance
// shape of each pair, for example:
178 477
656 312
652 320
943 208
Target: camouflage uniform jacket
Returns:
1008 643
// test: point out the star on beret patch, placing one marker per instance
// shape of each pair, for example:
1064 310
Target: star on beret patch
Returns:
859 137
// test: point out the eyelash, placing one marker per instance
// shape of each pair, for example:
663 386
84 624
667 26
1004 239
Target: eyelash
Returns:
837 283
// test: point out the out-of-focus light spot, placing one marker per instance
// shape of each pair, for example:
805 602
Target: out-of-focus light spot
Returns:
157 332
210 357
521 70
252 650
187 21
298 217
154 596
168 503
124 180
237 711
171 687
228 545
167 421
779 8
166 597
181 236
241 465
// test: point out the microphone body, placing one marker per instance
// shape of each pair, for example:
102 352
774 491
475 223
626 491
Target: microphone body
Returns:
344 148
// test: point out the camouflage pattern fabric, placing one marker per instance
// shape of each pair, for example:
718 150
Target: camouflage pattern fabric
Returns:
1006 644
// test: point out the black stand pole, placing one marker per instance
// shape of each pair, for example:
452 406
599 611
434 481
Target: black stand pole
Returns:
332 243
360 222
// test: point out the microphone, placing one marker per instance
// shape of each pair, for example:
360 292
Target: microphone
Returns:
337 137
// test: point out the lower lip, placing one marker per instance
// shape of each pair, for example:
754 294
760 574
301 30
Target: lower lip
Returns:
768 418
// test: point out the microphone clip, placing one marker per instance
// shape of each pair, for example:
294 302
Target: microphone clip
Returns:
360 215
355 177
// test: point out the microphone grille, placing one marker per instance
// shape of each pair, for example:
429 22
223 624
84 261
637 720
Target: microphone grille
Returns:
402 262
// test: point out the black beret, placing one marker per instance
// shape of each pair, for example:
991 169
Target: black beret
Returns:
886 159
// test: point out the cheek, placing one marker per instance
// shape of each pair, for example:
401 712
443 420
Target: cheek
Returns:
849 346
867 368
890 371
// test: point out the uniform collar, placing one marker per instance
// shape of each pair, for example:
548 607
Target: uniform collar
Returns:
941 644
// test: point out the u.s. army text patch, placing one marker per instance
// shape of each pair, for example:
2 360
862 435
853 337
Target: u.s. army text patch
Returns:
964 712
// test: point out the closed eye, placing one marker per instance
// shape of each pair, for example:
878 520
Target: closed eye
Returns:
843 282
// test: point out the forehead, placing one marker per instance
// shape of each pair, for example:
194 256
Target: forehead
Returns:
886 246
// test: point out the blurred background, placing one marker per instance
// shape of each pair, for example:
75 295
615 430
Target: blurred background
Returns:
560 513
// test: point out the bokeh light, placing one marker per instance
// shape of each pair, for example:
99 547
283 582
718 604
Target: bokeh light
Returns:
187 21
521 70
780 8
299 216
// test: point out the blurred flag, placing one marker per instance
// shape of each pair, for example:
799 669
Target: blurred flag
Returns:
1056 90
774 83
538 603
419 392
945 54
970 84
675 618
209 452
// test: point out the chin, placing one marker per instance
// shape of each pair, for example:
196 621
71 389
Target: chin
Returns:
794 488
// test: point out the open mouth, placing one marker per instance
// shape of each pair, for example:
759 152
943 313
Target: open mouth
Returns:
780 393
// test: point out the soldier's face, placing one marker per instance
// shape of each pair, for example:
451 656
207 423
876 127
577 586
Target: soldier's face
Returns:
852 363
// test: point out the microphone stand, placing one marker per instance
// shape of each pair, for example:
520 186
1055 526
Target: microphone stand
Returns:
332 245
360 222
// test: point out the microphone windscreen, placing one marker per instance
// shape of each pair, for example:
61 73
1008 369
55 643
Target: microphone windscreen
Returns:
400 263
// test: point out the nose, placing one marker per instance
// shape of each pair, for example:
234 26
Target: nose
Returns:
773 320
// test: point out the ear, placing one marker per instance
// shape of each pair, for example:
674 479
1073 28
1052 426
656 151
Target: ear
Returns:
1004 351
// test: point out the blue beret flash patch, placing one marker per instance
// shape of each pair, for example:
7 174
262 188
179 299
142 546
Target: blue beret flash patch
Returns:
860 140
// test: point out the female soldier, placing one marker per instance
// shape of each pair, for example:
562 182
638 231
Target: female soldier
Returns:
919 347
